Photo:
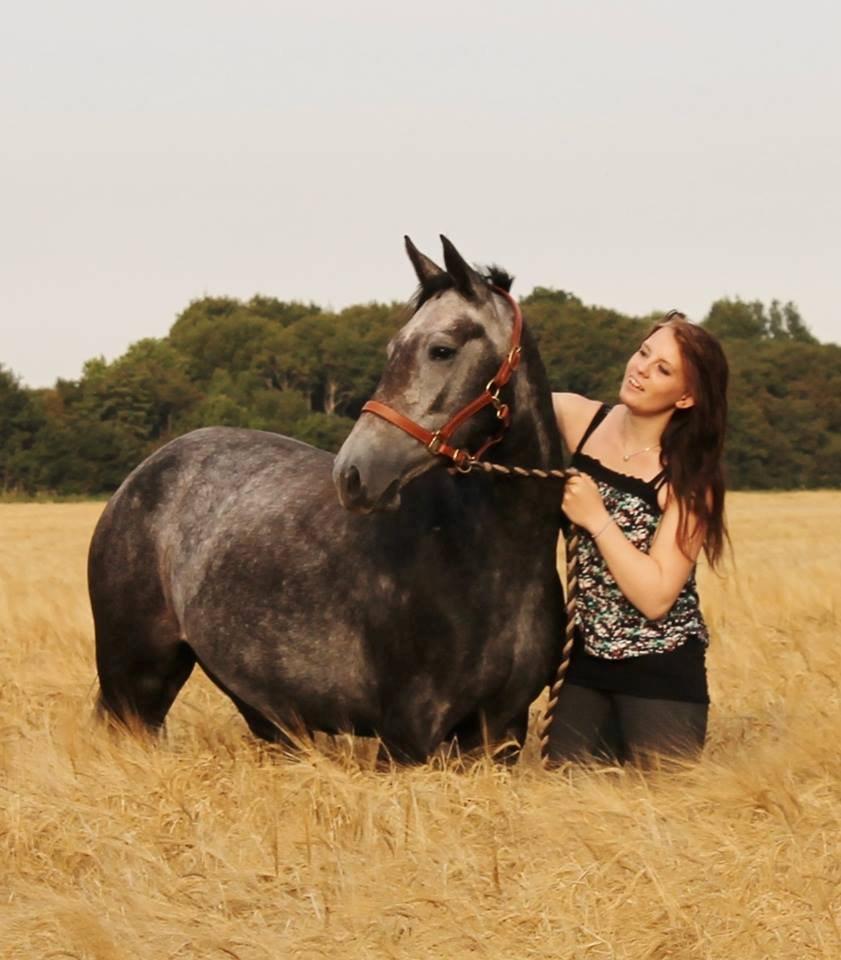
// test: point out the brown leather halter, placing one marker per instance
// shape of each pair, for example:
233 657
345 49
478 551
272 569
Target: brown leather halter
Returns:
438 441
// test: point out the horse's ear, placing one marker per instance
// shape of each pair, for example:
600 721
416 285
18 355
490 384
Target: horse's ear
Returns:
425 268
468 283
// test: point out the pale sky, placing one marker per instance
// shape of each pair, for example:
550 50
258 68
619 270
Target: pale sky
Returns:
643 155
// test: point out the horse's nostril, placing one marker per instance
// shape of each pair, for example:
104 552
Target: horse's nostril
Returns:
353 482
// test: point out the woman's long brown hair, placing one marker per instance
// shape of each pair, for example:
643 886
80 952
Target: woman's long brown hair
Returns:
693 441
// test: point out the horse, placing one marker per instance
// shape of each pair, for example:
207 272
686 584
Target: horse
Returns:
377 592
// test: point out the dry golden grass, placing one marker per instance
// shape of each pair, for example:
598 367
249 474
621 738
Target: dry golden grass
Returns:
210 845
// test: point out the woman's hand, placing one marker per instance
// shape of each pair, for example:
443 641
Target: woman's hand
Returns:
582 502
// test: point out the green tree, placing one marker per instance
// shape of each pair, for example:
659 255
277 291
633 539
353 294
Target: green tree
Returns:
737 320
294 369
220 333
19 422
584 348
146 389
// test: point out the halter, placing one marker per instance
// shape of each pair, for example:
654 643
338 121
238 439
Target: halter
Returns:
437 442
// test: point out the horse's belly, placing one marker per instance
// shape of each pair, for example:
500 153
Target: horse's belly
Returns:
287 659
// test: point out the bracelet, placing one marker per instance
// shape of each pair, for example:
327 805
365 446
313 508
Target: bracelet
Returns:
596 536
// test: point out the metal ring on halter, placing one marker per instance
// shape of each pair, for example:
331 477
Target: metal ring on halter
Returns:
462 460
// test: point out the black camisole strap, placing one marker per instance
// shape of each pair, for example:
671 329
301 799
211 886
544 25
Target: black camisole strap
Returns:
659 480
600 414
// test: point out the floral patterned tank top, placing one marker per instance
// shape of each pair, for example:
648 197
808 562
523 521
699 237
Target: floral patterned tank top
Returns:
611 626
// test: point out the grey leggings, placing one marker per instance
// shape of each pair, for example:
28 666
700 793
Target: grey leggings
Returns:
592 724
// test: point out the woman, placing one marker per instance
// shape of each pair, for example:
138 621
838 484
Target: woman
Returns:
648 496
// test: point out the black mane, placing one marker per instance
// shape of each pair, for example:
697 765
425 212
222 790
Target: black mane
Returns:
493 275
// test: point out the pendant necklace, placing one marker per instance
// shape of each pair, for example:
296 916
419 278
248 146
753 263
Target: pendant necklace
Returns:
627 456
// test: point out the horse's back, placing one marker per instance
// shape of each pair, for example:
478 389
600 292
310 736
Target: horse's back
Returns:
215 461
211 477
211 499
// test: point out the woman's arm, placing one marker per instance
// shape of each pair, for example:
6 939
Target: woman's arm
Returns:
573 414
651 581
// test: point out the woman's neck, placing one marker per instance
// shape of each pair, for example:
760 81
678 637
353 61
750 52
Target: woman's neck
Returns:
641 432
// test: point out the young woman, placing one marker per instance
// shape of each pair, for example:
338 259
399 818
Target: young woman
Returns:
648 497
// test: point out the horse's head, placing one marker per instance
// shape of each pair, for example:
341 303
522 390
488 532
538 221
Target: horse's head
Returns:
454 343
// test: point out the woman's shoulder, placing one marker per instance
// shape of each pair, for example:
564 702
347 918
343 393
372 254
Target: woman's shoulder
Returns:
573 414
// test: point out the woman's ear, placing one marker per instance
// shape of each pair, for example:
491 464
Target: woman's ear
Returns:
685 402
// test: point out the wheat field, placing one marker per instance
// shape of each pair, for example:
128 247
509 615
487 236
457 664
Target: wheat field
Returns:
209 844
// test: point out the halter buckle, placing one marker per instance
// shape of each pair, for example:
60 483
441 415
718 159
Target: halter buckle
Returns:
434 444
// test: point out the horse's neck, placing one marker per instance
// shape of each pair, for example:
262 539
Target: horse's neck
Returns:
533 439
525 511
512 513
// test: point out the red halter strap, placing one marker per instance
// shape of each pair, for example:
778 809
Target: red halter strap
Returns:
437 442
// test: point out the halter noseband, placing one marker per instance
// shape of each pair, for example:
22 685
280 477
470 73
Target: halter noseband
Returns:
438 442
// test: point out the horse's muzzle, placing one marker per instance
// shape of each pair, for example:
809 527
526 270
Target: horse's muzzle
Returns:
355 495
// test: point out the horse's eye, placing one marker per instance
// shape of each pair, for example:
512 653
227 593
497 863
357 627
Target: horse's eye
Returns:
441 353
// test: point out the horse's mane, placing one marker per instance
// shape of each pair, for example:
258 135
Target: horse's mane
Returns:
493 275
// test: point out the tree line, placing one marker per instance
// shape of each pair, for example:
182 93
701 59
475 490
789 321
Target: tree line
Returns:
296 369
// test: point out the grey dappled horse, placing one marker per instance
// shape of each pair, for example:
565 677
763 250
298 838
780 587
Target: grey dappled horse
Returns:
427 610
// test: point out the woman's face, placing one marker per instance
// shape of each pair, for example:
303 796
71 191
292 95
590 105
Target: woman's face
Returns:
655 379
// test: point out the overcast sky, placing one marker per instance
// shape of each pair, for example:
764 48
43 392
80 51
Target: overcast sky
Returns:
641 154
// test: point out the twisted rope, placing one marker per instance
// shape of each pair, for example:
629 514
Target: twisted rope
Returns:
488 467
572 541
545 724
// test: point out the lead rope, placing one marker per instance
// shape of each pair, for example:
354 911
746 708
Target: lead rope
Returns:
545 725
572 541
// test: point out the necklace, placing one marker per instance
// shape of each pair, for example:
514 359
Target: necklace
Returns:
627 456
